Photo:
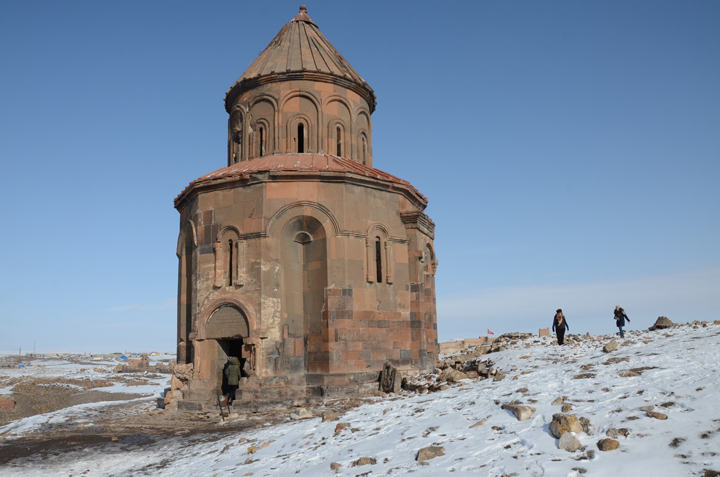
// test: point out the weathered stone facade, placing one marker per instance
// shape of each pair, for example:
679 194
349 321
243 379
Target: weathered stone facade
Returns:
299 258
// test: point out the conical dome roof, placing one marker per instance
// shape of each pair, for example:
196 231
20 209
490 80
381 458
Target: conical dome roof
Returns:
301 51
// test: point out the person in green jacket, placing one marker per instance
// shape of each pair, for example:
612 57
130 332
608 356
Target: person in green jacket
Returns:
232 373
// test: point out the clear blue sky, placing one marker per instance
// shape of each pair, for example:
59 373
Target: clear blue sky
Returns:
570 152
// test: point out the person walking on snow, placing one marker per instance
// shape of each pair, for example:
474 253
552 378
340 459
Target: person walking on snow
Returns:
560 325
620 318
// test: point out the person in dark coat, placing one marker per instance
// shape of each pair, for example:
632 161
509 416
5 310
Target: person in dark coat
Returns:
560 325
620 318
232 372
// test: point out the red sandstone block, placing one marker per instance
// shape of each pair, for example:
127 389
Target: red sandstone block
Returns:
338 367
299 347
393 354
333 292
349 355
379 354
353 345
357 366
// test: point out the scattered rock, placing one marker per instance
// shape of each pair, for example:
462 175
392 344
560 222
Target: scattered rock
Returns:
521 412
480 423
114 439
590 453
562 423
335 466
6 403
585 423
430 452
657 415
568 442
647 408
341 426
611 346
390 380
499 377
607 444
329 416
254 449
301 413
628 373
567 407
615 433
364 461
558 401
661 323
615 360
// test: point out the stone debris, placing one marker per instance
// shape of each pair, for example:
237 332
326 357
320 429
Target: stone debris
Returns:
480 423
615 433
567 407
364 461
340 426
611 346
628 373
301 413
430 452
254 449
663 322
607 444
522 413
568 442
390 379
562 423
558 401
657 415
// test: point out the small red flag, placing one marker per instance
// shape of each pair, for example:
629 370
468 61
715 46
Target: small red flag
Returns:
490 332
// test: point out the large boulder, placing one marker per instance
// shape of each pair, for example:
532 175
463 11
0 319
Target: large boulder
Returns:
562 423
521 412
607 444
427 453
661 323
569 442
611 346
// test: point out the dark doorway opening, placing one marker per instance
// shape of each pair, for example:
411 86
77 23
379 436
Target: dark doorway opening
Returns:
232 348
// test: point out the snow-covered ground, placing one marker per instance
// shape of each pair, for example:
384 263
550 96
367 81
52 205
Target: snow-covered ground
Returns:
681 380
76 368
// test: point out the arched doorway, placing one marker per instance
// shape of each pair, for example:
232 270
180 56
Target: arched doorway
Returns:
228 326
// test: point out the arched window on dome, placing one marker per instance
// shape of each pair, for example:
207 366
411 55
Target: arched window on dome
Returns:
364 150
262 141
338 141
301 138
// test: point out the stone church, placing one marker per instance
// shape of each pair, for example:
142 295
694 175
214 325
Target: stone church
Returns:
300 258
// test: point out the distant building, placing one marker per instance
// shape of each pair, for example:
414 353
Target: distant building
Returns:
299 258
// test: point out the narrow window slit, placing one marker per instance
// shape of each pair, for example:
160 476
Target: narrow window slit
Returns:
338 136
378 260
301 138
230 262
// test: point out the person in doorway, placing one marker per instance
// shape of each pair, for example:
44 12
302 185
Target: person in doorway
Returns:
620 318
559 326
232 373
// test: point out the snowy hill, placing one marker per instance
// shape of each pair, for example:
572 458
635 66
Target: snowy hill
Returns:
675 370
